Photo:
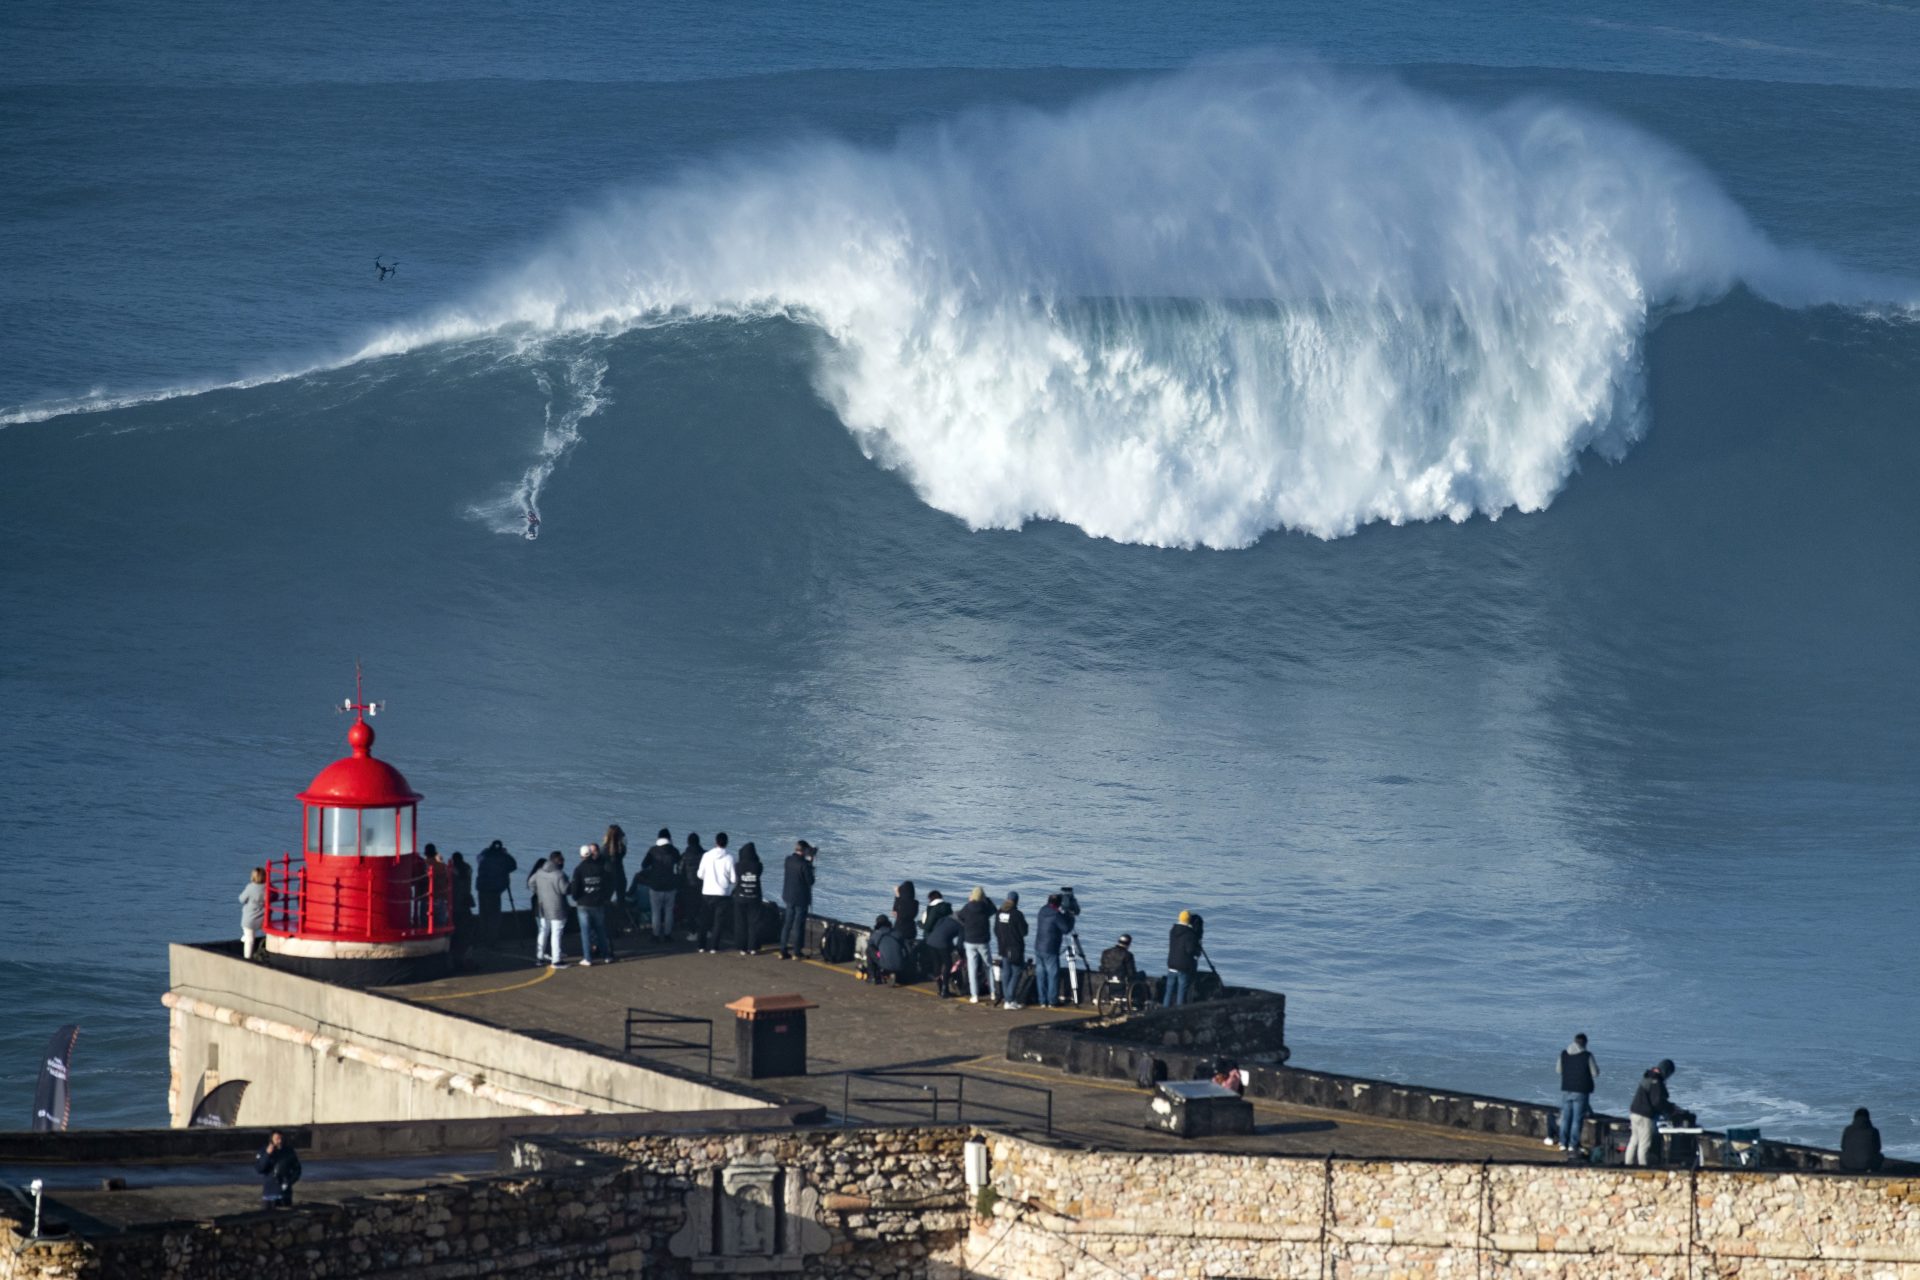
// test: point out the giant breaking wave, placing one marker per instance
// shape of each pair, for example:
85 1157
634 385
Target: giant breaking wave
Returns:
1199 308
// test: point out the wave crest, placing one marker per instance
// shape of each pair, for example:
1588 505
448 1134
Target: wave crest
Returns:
1200 307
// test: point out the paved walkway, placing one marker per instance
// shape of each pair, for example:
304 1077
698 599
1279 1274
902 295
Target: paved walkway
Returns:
861 1027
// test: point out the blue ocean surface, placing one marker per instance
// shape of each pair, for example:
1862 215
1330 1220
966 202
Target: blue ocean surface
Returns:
1429 487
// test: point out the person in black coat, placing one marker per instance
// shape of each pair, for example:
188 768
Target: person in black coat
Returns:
1860 1146
747 895
280 1168
1650 1102
1010 936
796 897
1183 961
885 957
690 906
976 927
939 949
905 908
659 875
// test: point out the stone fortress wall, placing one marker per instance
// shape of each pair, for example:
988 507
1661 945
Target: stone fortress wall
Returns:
879 1203
1062 1215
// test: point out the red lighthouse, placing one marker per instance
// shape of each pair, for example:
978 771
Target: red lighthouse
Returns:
361 905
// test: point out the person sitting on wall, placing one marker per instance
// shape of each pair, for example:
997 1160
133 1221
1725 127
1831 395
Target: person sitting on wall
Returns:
1227 1074
1117 961
1860 1146
280 1168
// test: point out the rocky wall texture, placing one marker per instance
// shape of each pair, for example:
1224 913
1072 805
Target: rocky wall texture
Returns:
1061 1215
866 1203
578 1227
886 1204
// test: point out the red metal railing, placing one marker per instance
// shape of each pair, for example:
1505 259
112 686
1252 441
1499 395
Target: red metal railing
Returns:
396 908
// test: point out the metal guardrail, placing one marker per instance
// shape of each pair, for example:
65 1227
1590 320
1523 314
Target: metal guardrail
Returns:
930 1095
638 1042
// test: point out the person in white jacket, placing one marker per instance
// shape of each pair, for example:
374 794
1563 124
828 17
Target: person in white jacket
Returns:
717 876
253 911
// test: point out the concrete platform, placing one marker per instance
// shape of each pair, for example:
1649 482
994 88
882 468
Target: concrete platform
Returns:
861 1027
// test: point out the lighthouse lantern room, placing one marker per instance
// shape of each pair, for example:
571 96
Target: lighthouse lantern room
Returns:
361 905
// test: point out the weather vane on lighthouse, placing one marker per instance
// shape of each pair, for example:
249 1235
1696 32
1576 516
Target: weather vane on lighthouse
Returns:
358 702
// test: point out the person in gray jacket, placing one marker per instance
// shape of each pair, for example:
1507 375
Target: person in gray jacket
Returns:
548 884
253 911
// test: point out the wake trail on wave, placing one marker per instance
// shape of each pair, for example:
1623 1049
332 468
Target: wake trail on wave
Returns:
572 383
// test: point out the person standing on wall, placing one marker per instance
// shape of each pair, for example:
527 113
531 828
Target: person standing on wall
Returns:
1650 1102
548 888
1010 936
936 910
1049 932
796 897
976 926
462 872
1579 1071
280 1168
659 875
747 894
593 882
718 871
1183 961
491 878
253 912
613 847
691 898
906 909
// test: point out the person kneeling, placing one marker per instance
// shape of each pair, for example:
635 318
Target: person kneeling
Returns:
885 956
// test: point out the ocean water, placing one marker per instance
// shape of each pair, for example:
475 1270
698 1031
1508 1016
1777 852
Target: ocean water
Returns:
1429 489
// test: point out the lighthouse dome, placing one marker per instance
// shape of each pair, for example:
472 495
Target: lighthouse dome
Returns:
359 781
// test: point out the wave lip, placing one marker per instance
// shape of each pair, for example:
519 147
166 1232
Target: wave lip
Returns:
1244 297
1191 311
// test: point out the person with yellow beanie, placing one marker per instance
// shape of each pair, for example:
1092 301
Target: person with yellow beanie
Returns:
1183 961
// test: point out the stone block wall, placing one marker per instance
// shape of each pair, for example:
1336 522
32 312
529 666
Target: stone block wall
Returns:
577 1227
877 1204
869 1203
1064 1214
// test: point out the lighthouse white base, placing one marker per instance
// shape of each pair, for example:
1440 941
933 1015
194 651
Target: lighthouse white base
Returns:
361 964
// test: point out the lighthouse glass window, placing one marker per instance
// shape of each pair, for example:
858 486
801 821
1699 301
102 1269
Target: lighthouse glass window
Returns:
379 829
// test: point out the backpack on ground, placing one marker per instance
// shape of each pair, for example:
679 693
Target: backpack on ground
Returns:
837 946
1149 1071
1026 987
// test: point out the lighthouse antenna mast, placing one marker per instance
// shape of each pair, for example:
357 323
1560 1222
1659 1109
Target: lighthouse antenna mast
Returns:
358 703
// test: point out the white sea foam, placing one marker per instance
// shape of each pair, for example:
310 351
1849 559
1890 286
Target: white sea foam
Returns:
1243 297
1240 298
